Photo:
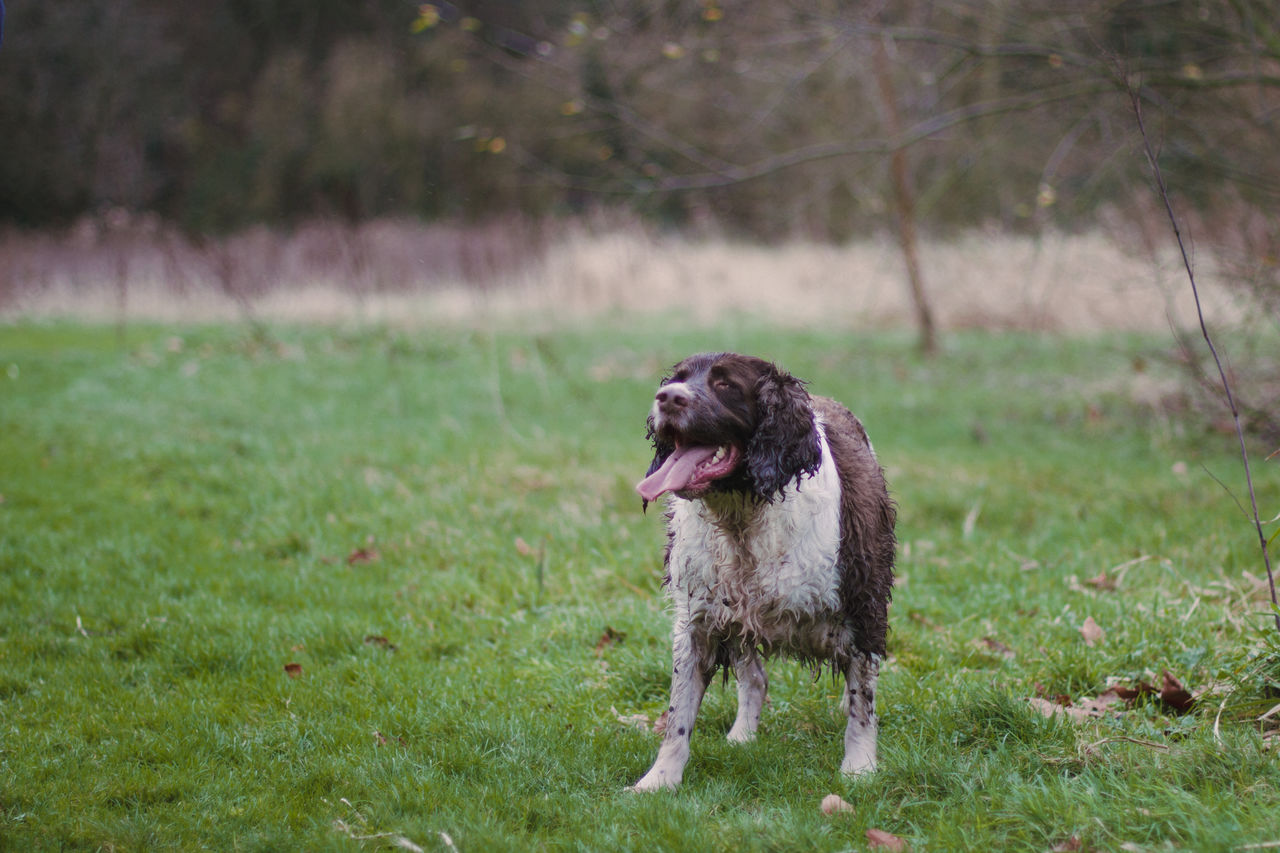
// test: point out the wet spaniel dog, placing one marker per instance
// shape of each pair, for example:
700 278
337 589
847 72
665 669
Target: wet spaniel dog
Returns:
779 540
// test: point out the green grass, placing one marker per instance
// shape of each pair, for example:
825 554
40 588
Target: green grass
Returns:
186 511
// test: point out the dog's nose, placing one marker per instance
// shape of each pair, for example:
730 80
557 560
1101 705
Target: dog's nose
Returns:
672 397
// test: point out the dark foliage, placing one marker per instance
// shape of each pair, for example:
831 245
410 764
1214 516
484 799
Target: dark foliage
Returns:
763 120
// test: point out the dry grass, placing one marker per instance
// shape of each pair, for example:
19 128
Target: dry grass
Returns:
408 273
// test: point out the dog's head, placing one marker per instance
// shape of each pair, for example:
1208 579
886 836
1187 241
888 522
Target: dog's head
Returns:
728 422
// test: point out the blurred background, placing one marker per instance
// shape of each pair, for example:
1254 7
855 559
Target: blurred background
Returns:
932 164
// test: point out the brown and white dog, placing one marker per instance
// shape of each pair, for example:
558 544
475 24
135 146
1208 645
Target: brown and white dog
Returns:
779 540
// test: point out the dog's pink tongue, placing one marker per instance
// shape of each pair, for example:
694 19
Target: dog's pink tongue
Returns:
675 473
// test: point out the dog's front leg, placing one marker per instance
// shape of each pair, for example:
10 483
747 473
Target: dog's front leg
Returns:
690 674
860 734
753 684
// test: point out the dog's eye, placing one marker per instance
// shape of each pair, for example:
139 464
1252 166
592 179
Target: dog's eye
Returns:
721 384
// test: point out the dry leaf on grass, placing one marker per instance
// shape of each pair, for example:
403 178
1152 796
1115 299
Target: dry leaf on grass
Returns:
1069 846
1173 694
1087 708
920 618
1092 632
1060 698
293 669
1050 708
608 638
1102 582
991 644
382 740
1099 705
380 642
660 724
1128 694
362 555
833 804
638 721
878 839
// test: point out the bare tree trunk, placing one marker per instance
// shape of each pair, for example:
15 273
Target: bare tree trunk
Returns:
904 204
122 290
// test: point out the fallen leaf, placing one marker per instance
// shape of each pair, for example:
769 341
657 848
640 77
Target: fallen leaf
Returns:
639 721
608 638
660 724
380 642
1103 702
1092 632
879 839
832 803
523 547
293 670
1049 709
362 555
382 740
1060 698
1128 694
916 616
1173 694
1069 846
1101 582
993 645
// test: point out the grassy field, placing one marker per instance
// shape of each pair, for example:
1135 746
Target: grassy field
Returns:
373 589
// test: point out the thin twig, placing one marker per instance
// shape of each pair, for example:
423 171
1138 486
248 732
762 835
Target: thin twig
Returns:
1158 176
1217 721
1127 739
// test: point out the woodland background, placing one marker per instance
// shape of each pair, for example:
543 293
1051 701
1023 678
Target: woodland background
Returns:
766 119
386 146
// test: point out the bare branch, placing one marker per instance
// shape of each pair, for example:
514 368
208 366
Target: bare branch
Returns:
1158 176
912 135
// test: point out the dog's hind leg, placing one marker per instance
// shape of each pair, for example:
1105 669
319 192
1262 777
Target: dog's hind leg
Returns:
690 673
753 684
860 734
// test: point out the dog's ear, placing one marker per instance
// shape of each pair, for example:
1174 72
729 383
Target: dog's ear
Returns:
785 442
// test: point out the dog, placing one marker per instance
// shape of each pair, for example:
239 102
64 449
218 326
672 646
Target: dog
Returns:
780 540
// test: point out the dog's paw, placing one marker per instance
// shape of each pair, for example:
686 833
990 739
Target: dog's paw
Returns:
860 765
740 734
655 781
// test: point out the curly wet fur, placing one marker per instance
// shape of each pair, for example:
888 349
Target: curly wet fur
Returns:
791 552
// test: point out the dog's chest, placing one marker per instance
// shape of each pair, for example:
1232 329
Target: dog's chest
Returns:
759 568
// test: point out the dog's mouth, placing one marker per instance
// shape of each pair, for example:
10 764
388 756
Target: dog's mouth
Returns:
690 470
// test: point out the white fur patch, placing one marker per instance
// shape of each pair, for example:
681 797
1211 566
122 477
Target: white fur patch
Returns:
766 568
762 575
